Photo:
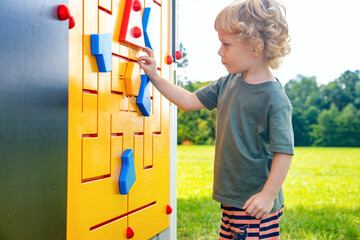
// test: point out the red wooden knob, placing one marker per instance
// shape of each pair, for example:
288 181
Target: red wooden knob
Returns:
178 55
63 12
169 60
136 32
136 6
168 209
71 22
130 233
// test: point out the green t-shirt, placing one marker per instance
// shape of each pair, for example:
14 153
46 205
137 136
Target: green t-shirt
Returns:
253 122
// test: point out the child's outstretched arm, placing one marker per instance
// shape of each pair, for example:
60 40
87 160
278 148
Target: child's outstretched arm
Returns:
260 204
184 99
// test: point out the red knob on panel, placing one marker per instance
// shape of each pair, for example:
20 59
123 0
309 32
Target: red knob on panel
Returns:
169 60
178 55
136 6
71 22
136 32
168 209
63 12
130 233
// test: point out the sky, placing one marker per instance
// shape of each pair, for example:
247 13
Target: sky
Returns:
325 39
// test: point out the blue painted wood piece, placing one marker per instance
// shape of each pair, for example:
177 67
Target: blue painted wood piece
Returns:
101 48
127 174
143 99
145 23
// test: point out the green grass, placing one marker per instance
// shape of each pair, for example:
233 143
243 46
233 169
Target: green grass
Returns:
322 194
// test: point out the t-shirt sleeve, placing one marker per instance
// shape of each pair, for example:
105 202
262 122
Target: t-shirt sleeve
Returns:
281 131
208 95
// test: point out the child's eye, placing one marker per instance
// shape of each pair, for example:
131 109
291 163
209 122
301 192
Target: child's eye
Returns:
225 44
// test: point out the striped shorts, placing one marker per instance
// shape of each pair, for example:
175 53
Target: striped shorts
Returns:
236 224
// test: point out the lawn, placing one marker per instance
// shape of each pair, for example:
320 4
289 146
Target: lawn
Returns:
322 194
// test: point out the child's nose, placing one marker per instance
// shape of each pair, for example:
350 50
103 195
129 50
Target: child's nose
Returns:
220 52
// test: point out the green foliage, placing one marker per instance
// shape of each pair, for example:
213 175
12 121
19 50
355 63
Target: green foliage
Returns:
321 194
198 127
338 128
326 115
325 131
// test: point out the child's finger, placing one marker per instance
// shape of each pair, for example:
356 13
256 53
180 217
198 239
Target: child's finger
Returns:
248 202
148 51
257 213
145 59
265 216
250 210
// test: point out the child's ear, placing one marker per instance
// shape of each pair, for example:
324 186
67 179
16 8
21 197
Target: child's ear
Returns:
258 47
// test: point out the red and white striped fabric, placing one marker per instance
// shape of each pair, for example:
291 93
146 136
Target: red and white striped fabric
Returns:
237 225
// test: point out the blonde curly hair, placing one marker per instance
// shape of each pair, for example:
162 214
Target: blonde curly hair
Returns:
258 21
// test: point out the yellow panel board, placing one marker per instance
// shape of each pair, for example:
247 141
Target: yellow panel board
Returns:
118 75
124 51
90 26
147 221
89 114
115 230
118 83
148 143
157 108
133 53
151 184
106 5
96 157
106 24
104 121
132 104
151 187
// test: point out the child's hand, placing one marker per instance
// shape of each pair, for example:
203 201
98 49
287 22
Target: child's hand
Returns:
259 205
148 63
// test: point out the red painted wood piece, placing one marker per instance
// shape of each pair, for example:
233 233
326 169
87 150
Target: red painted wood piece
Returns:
169 60
136 32
130 232
169 209
178 55
136 5
63 12
71 22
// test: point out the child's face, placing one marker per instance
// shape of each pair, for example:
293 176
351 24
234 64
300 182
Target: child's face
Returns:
235 55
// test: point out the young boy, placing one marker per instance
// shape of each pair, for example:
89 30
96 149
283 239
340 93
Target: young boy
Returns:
254 136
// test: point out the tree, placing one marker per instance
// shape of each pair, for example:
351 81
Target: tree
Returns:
199 126
348 127
303 93
342 91
324 132
338 128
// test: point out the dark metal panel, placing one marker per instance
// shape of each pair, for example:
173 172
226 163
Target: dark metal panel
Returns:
173 32
33 120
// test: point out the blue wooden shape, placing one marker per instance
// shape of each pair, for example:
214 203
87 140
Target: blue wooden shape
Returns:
127 175
145 23
101 48
143 99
